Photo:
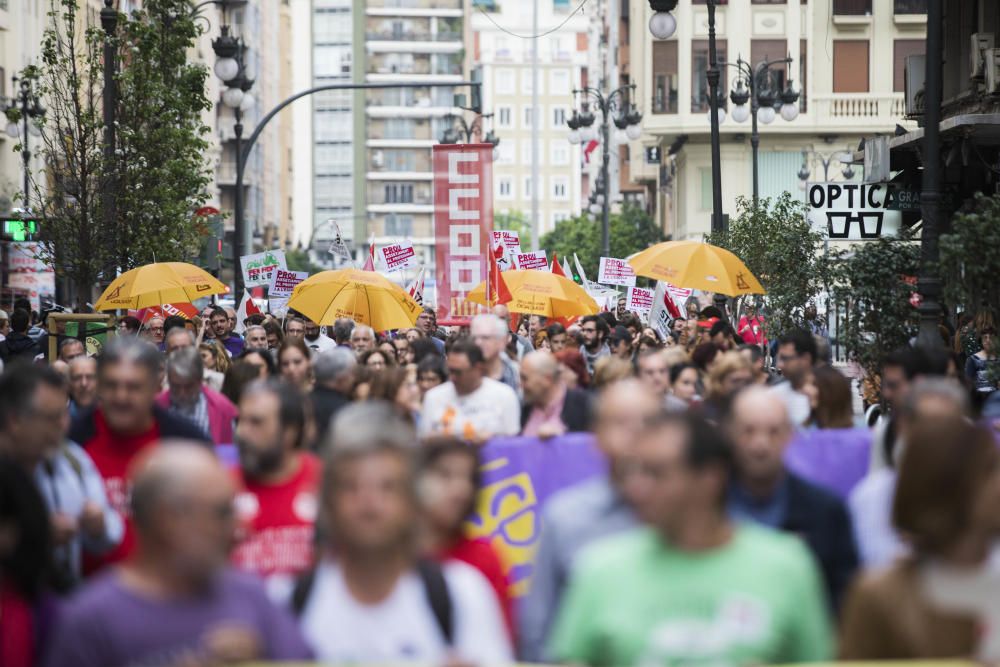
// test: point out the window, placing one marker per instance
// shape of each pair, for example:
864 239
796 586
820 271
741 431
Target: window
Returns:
852 7
501 48
901 50
529 114
909 7
399 128
559 216
398 160
559 82
505 82
802 75
850 66
399 193
558 117
527 187
699 73
664 77
504 117
560 188
527 153
508 154
771 49
560 153
526 82
398 225
505 188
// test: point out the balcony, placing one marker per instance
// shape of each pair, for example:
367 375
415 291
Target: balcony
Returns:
852 7
861 110
405 36
414 8
909 7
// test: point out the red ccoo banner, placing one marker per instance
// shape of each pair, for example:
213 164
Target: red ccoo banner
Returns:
463 220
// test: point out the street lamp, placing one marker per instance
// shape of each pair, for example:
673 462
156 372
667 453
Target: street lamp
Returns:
844 157
614 107
756 85
459 127
662 23
24 107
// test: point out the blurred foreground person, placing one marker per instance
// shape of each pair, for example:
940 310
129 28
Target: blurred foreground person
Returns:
945 504
370 599
550 407
190 398
693 587
82 385
277 498
174 602
334 373
582 514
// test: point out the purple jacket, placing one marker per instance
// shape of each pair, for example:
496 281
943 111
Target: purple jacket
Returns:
834 458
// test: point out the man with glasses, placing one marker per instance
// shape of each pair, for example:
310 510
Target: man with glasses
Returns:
470 406
795 360
490 333
155 331
427 324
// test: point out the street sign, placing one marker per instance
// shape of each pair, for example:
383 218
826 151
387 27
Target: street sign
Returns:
848 211
652 155
19 230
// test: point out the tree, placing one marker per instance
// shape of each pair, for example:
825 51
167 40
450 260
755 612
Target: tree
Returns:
159 174
631 230
970 262
514 221
875 283
779 246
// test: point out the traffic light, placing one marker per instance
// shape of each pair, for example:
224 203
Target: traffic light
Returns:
211 254
16 229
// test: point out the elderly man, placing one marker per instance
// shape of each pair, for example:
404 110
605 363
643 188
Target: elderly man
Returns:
82 385
523 344
70 349
188 397
127 420
550 407
585 513
766 492
490 333
334 374
362 339
178 339
256 337
279 482
295 328
175 602
154 331
470 405
222 329
342 328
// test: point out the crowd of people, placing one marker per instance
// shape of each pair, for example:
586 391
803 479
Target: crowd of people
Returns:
192 495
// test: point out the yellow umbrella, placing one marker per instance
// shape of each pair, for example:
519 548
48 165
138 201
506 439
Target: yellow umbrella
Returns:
537 292
364 296
157 284
696 265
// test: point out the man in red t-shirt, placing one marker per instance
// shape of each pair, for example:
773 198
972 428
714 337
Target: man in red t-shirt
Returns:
276 507
125 422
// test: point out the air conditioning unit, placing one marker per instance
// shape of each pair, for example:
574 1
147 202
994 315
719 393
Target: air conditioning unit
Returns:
992 71
981 42
914 70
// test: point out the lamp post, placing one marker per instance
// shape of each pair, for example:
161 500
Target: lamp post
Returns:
26 107
109 103
460 127
755 84
581 130
826 160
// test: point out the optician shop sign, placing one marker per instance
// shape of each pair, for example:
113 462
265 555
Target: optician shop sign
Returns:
853 211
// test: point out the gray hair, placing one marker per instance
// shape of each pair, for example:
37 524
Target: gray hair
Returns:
331 365
369 332
174 331
342 329
185 364
66 342
488 319
252 327
129 349
935 387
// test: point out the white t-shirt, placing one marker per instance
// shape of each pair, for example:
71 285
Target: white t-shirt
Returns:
320 345
493 409
402 628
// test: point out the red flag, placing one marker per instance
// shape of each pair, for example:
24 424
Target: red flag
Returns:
590 149
370 262
556 268
498 292
246 308
672 308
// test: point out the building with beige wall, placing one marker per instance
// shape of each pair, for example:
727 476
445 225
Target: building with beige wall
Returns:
847 59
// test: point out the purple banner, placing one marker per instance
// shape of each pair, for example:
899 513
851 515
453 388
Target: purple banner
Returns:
519 476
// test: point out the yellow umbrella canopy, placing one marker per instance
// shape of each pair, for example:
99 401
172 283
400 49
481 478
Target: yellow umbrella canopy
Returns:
696 265
537 292
157 284
364 296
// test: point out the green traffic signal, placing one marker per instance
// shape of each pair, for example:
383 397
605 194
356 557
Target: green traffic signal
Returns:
19 230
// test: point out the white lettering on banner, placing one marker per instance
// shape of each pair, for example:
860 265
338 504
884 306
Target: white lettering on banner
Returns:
397 256
283 282
614 271
469 247
639 300
532 260
851 211
510 240
464 275
456 212
454 175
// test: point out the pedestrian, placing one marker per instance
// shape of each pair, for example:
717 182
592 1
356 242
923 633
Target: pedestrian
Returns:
795 360
362 339
755 355
981 368
692 586
449 481
728 374
550 407
70 349
277 483
262 360
470 405
17 344
294 364
653 372
223 326
342 328
945 501
609 370
295 327
377 360
620 343
240 375
401 346
595 332
334 373
126 422
556 334
274 335
154 331
764 491
583 514
751 327
129 326
573 368
722 335
316 340
190 398
175 601
684 384
386 604
256 337
431 372
82 385
216 363
398 387
490 333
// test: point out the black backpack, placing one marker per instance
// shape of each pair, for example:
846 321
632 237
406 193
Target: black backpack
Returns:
435 587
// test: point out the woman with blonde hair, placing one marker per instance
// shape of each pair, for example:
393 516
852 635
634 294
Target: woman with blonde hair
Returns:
727 374
609 370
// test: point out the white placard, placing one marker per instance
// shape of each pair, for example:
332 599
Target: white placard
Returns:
615 272
851 211
639 300
511 240
259 268
532 260
397 256
283 282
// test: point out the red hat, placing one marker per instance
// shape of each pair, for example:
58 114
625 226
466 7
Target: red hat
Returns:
707 324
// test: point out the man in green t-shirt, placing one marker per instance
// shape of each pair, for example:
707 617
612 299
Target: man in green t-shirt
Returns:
692 588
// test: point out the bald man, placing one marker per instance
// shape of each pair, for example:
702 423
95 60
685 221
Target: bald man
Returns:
550 407
766 492
578 516
202 613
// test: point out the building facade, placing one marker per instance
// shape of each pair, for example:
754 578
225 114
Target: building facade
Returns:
839 52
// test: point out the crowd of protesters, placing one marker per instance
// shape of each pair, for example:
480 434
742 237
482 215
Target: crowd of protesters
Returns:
196 496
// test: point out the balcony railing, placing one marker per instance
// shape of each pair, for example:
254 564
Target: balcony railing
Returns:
852 7
415 4
406 36
909 6
858 108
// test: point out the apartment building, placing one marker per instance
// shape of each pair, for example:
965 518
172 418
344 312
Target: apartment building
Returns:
506 63
847 60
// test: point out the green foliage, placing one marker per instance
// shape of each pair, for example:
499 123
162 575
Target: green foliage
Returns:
515 221
872 283
298 260
776 242
631 231
970 263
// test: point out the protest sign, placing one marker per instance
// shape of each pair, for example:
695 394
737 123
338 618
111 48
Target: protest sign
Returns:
338 248
615 272
532 260
397 256
639 300
27 271
283 282
259 268
659 314
510 240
